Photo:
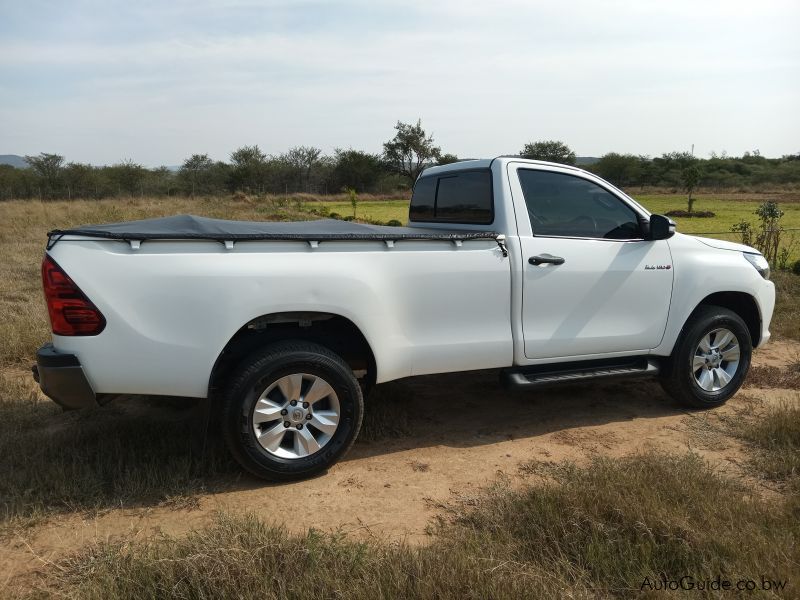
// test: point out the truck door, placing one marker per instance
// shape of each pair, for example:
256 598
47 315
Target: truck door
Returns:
592 284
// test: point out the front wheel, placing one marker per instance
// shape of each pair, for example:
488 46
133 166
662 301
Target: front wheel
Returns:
710 360
291 411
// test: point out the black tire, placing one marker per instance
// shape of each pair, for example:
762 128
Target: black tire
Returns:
255 375
677 377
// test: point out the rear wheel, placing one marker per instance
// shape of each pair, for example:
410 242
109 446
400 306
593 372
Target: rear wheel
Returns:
710 360
291 411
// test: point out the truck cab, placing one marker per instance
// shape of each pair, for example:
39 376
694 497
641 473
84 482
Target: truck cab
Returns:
592 280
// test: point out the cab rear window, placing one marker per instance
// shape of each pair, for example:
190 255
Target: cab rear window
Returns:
454 197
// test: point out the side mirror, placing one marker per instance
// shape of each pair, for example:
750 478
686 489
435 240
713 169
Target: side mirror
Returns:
660 228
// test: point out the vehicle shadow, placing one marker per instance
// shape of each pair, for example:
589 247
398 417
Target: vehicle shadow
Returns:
147 453
473 409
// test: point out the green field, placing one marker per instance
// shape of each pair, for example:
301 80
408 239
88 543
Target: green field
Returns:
729 209
379 210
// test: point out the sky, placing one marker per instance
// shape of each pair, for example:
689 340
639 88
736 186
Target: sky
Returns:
154 82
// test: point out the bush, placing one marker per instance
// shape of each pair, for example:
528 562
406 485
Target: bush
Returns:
335 215
396 223
796 267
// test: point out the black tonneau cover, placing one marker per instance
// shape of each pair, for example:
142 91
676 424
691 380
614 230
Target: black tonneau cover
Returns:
190 227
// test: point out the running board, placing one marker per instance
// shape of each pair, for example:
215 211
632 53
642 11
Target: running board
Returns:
576 373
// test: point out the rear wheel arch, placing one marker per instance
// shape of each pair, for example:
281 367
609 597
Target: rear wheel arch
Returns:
334 332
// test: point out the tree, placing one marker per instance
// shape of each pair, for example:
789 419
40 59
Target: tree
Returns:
80 179
196 169
447 159
619 169
690 176
668 168
355 169
679 160
411 150
304 159
127 175
549 150
248 166
48 167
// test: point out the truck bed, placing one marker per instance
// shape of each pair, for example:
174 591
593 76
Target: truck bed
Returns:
190 227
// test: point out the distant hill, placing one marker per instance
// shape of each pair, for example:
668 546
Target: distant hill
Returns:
13 160
586 160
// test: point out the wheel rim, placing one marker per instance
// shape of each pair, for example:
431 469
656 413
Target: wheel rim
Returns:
716 360
296 416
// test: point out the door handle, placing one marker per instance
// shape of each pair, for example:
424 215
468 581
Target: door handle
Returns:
541 259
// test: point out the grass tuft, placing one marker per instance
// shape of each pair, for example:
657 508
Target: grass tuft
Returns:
776 435
775 377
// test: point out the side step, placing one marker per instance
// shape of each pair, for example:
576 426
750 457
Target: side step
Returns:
545 375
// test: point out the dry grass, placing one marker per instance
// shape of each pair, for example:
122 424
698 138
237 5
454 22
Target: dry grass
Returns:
592 532
775 377
786 319
775 433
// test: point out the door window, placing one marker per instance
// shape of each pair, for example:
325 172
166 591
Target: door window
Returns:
561 205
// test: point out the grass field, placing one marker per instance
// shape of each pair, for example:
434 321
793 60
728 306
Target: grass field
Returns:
586 531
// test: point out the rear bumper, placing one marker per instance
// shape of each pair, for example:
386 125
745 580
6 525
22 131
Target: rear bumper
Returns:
62 379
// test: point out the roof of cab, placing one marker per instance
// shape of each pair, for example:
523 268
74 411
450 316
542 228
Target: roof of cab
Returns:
485 163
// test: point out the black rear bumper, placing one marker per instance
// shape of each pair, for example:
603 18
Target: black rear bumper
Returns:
62 379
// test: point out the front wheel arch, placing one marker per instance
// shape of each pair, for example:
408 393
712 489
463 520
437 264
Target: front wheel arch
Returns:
742 304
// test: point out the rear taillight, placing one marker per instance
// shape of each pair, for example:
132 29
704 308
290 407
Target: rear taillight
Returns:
71 312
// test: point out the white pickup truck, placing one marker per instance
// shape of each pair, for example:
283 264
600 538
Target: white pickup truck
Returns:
541 271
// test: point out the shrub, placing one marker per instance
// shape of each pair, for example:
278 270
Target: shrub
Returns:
335 215
796 267
351 193
767 238
396 223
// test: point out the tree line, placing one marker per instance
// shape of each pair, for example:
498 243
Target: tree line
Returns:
305 169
